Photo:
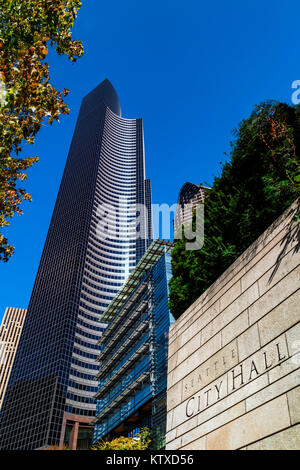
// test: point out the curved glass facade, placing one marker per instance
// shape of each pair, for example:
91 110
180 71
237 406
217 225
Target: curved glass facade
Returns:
92 245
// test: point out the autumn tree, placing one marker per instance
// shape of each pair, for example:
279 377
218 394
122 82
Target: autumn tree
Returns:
140 441
27 98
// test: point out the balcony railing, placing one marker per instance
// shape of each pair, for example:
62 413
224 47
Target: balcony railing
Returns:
116 376
133 335
121 396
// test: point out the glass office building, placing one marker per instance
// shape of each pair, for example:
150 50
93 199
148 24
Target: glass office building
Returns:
91 247
134 352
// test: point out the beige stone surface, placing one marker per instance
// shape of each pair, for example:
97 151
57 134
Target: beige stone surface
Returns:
194 359
173 346
210 370
232 311
170 436
200 444
172 362
248 342
190 332
210 425
279 230
218 400
206 304
294 405
282 266
174 445
267 258
281 318
186 426
253 426
175 395
288 439
230 295
189 348
179 415
233 399
180 420
274 390
293 339
275 296
205 322
275 351
260 362
198 320
284 368
170 420
235 328
246 323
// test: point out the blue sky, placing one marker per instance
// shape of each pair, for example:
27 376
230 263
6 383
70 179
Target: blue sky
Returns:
192 70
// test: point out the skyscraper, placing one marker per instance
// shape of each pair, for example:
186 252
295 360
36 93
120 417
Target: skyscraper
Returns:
92 245
190 196
10 332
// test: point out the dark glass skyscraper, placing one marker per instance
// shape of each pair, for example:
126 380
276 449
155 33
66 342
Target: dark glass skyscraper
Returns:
91 247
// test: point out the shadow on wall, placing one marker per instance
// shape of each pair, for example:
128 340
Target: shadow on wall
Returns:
291 236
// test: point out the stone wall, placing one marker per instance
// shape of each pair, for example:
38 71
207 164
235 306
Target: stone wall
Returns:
234 355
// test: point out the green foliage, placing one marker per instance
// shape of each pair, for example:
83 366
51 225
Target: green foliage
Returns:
57 447
141 441
261 179
27 28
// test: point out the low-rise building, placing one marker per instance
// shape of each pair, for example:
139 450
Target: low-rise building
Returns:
134 351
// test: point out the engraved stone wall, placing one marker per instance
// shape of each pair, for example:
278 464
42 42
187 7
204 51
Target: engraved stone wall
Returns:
234 355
